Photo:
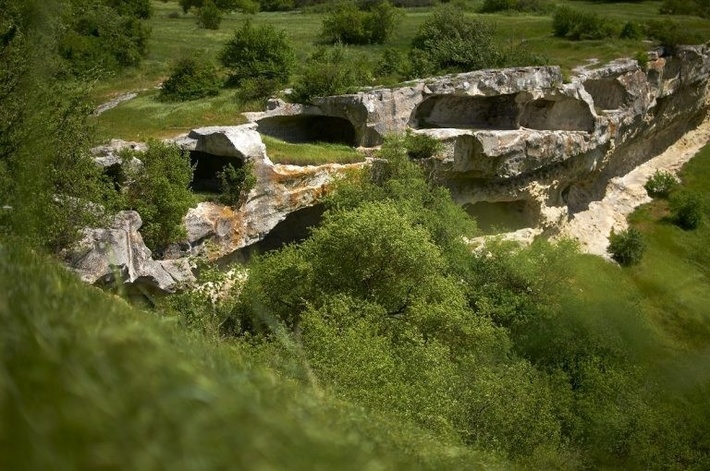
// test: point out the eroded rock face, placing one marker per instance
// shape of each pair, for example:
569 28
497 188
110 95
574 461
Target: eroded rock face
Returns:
104 256
279 191
522 134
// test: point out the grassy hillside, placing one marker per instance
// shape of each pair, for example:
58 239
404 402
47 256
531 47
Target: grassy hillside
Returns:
88 382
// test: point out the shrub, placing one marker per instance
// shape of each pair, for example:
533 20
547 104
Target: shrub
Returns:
330 71
260 53
661 184
209 16
686 209
642 58
627 247
631 30
528 6
421 146
367 23
450 41
276 5
577 25
246 6
670 34
160 193
393 61
235 183
191 78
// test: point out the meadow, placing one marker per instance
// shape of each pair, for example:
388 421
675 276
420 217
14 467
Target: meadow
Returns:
175 35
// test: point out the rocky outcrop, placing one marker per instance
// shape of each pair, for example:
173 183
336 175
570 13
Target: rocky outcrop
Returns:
523 134
105 256
279 191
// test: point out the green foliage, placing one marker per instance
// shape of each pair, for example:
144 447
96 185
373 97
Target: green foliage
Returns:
686 7
277 5
450 41
159 191
208 16
99 39
235 184
141 9
661 184
577 25
631 30
73 359
627 247
226 6
260 53
351 22
526 6
642 59
421 146
191 78
330 71
670 34
686 209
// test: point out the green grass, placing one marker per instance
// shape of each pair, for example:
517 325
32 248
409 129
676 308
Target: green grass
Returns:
88 382
674 276
145 117
281 152
173 38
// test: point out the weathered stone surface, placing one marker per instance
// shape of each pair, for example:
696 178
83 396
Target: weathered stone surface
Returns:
242 142
104 256
108 155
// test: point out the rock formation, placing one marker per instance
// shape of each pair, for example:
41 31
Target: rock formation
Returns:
523 134
104 256
280 190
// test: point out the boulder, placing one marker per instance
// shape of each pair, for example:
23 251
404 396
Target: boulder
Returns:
117 254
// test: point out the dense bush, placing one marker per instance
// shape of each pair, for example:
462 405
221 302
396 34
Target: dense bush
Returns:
631 30
661 184
246 6
330 71
137 8
260 53
351 22
627 247
208 15
449 40
99 39
686 209
670 34
276 5
235 183
527 6
159 191
421 146
576 25
190 78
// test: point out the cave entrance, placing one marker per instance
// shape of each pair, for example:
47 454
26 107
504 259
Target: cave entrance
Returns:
608 94
474 112
295 228
499 217
206 167
299 129
566 114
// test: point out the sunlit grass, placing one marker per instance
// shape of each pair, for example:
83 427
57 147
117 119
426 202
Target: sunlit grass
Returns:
145 117
310 154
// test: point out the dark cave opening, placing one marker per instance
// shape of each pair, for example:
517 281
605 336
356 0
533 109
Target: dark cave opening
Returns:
475 112
207 167
300 129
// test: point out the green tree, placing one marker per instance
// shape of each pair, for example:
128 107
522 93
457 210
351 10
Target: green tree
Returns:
330 71
159 191
627 247
260 53
686 209
450 41
190 78
351 22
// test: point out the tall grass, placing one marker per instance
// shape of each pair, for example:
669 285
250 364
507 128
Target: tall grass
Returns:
88 382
